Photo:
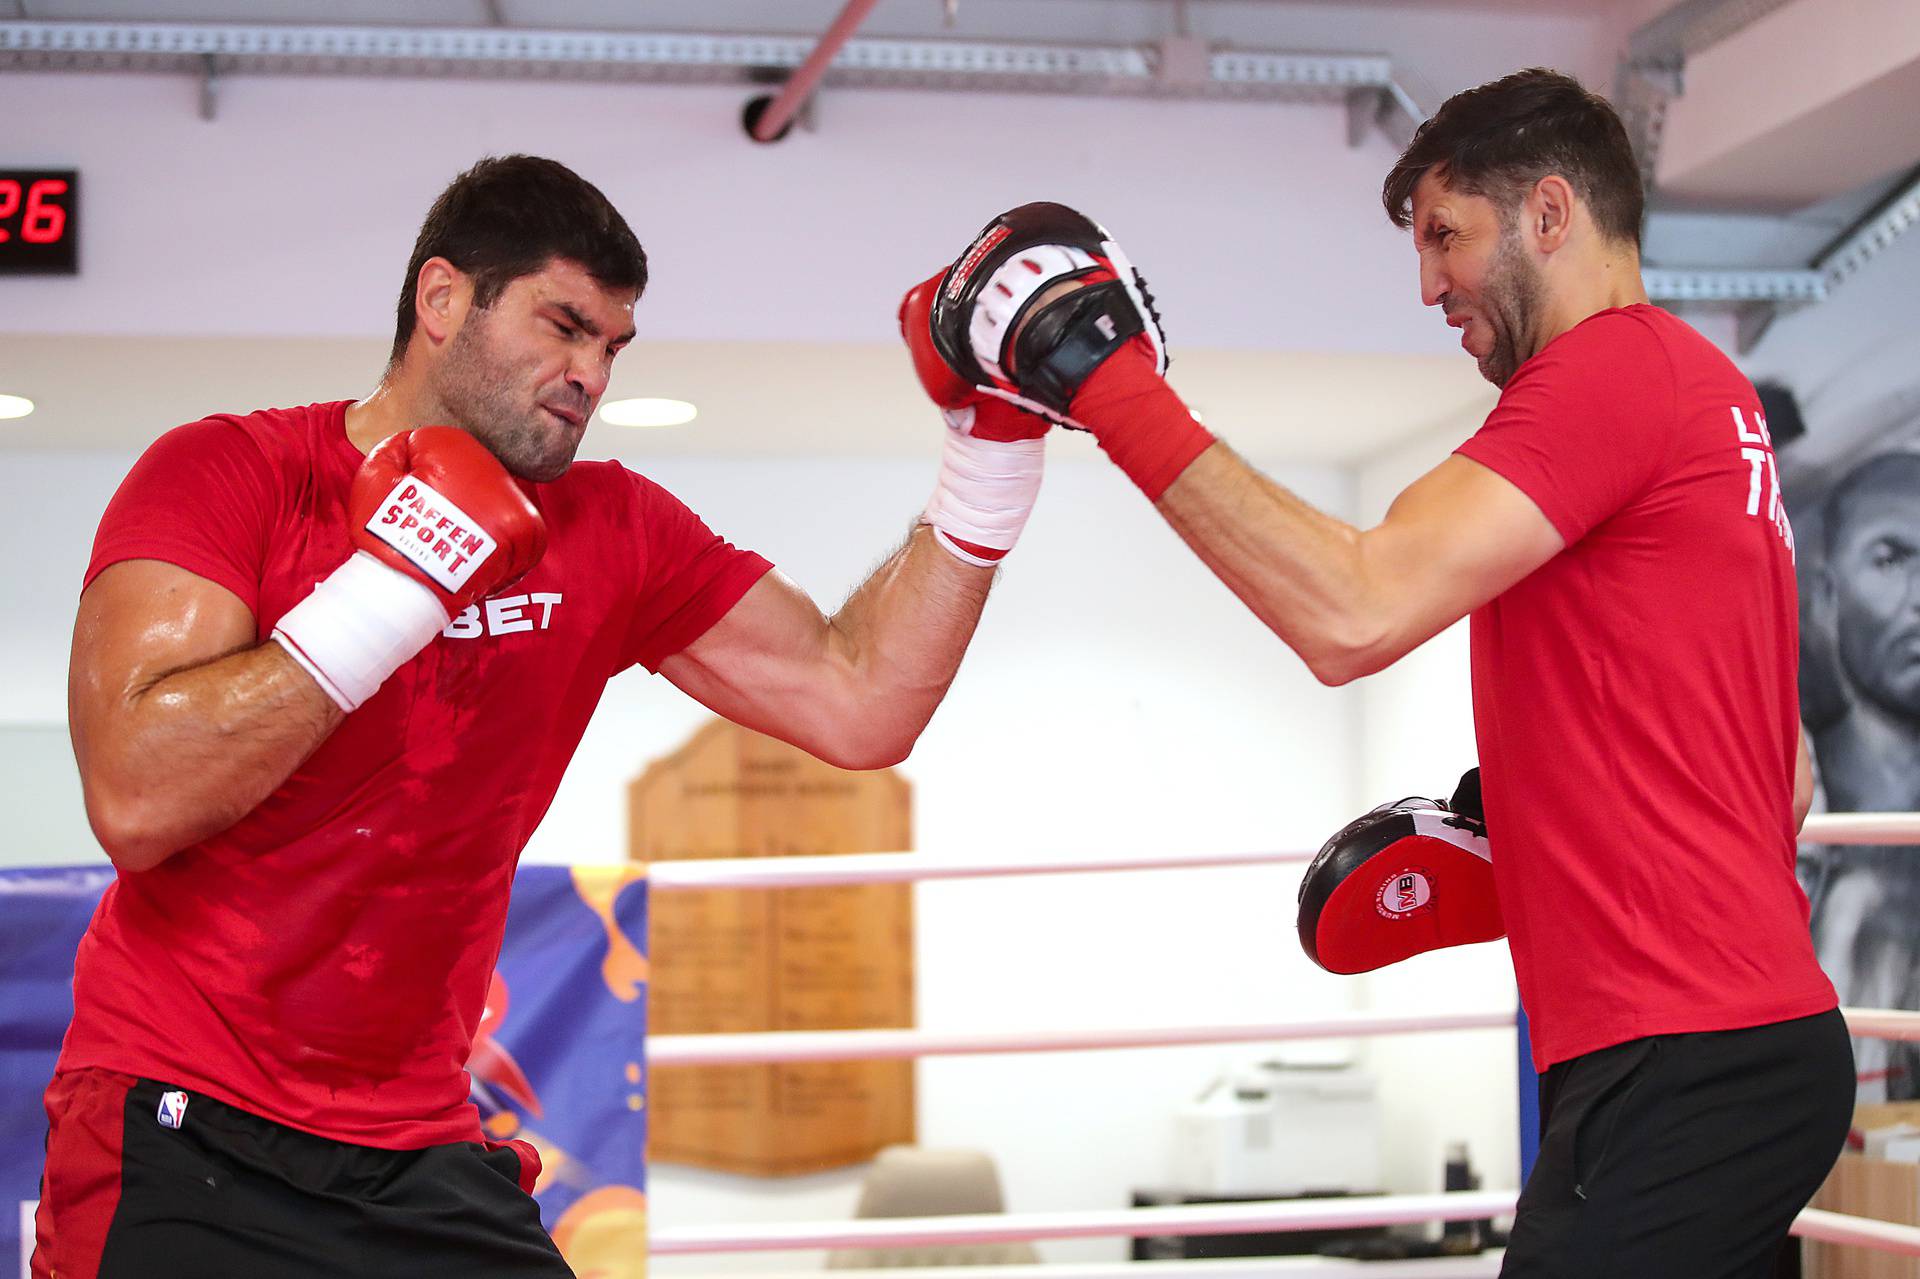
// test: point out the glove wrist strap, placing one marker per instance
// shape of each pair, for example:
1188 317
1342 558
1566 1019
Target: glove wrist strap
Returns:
984 494
1146 428
363 622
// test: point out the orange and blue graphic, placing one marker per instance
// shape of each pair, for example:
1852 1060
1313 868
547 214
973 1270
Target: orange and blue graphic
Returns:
558 1061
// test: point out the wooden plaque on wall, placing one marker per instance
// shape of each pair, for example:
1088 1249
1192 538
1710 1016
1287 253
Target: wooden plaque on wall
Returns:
774 959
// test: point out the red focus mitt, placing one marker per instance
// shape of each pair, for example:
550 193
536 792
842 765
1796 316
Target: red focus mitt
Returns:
1408 877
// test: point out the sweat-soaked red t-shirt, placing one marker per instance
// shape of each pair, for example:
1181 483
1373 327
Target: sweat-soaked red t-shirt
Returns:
324 962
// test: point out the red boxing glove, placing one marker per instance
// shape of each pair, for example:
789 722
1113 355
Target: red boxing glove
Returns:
967 409
991 465
435 504
437 524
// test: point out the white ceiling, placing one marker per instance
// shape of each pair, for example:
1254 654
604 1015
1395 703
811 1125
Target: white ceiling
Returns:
756 399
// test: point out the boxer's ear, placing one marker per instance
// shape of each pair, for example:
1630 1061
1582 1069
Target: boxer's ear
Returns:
442 293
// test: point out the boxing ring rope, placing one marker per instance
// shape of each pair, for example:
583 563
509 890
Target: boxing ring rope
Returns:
760 1047
1277 1215
900 868
1191 1219
1483 1265
740 1048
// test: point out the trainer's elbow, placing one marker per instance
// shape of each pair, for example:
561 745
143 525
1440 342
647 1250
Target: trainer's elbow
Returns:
1347 655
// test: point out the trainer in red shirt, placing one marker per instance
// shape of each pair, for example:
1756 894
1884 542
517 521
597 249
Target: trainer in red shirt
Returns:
329 667
1616 533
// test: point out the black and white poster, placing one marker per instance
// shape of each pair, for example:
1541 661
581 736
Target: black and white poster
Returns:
1857 521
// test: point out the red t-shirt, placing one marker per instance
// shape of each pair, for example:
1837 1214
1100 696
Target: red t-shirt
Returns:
1635 697
324 962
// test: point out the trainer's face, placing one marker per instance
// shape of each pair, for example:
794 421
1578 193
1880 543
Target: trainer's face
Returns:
1876 581
526 373
1474 267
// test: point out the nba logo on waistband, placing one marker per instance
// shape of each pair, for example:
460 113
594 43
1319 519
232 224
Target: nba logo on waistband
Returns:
173 1109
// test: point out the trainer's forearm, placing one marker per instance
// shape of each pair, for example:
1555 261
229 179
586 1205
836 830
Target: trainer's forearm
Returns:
903 633
189 754
1299 569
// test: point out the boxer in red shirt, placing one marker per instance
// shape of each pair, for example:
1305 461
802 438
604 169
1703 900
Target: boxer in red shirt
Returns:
1616 534
329 666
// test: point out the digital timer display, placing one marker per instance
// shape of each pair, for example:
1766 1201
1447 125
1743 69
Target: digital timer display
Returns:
39 222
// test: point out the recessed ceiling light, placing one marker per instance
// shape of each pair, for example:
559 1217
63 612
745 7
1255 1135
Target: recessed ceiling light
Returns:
15 406
648 411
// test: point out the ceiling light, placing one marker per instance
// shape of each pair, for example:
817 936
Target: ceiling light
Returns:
647 411
15 406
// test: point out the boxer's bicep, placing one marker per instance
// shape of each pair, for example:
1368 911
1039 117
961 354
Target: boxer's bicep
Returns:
139 622
770 663
1456 538
170 699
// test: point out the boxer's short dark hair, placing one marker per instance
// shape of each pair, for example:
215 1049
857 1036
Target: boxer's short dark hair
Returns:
1500 139
509 216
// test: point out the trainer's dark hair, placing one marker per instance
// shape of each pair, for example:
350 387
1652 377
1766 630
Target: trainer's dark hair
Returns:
510 215
1500 139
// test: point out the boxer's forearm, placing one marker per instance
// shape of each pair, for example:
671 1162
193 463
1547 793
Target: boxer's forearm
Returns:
901 636
1300 570
1352 602
854 689
171 762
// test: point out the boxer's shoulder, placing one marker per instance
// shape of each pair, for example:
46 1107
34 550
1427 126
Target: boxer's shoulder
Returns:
281 437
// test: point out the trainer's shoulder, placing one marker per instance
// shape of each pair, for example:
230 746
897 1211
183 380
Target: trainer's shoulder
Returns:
1642 328
1618 352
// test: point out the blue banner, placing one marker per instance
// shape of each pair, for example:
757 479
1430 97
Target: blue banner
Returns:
559 1060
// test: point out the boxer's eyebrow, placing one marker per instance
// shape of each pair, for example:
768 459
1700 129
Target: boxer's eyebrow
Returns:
579 321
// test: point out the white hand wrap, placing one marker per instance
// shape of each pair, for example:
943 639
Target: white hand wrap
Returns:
985 492
363 622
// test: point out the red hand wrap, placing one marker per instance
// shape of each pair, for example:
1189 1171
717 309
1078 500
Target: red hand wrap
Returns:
1145 428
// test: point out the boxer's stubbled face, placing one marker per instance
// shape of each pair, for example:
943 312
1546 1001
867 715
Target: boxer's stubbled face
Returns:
1475 268
525 374
1875 573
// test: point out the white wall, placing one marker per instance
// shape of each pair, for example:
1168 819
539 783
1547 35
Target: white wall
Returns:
1416 720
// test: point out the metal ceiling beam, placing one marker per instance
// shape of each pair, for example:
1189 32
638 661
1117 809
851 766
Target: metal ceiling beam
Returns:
714 58
1652 72
1735 286
1886 222
1364 82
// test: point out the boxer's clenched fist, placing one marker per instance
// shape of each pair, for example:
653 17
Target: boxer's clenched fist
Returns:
991 466
436 505
437 524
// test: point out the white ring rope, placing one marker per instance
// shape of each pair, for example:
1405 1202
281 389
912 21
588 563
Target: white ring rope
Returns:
871 1045
1341 1213
742 1048
900 868
1189 1219
1481 1265
1865 1232
1372 1210
1882 1023
1862 828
